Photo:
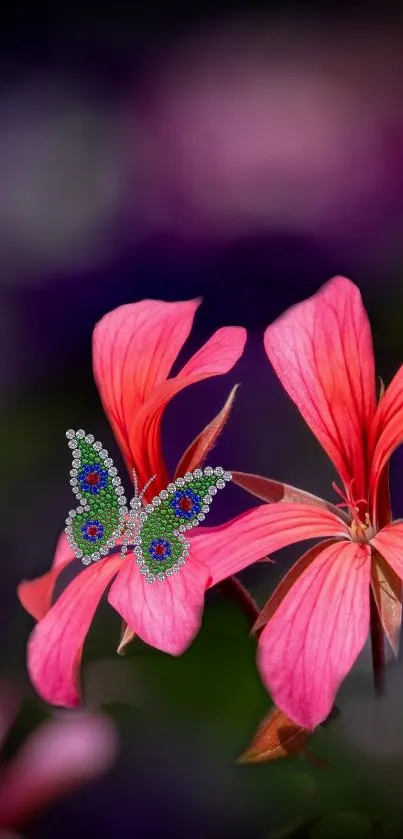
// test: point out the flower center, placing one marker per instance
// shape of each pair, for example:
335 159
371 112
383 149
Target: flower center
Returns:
361 529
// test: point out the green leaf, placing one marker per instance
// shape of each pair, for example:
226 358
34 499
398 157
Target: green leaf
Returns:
342 825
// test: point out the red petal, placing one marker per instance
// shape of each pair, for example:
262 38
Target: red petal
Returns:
276 491
36 595
322 352
134 348
196 453
227 549
387 428
165 614
56 644
317 632
216 357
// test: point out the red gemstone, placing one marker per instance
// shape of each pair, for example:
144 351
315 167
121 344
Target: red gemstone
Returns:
185 504
93 530
92 478
159 550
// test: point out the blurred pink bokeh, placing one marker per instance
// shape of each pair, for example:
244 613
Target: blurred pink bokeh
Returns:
244 128
253 129
59 756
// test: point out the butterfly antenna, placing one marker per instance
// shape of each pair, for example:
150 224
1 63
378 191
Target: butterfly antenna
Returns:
136 484
130 524
145 487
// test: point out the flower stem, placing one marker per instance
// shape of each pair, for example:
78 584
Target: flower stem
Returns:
233 590
400 652
378 649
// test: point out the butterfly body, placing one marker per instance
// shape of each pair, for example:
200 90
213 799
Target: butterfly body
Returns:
156 530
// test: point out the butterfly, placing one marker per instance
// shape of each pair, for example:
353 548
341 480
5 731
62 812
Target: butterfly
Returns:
155 531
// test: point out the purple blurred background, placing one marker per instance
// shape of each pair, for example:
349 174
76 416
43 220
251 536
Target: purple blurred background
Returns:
170 153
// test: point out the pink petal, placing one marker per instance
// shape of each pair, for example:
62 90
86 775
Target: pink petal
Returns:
198 450
389 543
36 595
56 643
317 632
287 583
60 756
275 491
63 552
321 350
227 549
134 348
167 615
387 428
216 357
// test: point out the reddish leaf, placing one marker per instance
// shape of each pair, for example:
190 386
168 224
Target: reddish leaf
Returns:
198 450
276 737
126 638
387 589
382 388
275 491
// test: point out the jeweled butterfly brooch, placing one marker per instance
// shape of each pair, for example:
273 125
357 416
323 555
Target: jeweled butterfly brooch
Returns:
155 532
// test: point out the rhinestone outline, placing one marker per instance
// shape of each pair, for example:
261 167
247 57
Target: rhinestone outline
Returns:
73 437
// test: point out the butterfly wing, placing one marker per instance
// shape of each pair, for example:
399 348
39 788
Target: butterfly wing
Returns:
160 545
95 526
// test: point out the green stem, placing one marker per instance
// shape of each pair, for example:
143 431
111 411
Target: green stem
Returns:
378 647
233 590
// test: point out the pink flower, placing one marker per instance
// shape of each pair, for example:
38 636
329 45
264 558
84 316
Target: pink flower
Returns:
317 620
134 348
59 756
